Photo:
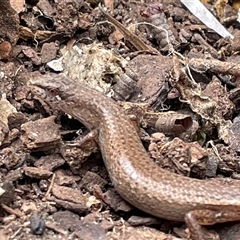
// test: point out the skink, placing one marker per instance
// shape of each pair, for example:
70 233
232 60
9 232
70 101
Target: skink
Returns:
134 175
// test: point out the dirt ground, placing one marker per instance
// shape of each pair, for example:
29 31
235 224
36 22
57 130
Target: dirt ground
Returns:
175 77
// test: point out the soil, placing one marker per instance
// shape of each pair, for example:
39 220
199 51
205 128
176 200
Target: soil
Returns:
174 76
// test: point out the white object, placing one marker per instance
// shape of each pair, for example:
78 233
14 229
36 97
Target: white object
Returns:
202 13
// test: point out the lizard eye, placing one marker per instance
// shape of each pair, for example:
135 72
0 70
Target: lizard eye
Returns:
53 91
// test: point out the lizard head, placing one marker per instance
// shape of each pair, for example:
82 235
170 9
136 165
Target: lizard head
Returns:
50 87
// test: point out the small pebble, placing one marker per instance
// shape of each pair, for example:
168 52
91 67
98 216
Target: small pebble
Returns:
37 224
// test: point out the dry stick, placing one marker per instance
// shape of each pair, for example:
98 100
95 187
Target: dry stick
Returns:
17 213
16 233
50 188
215 66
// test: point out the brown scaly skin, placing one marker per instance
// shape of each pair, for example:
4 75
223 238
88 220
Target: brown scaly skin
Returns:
134 175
